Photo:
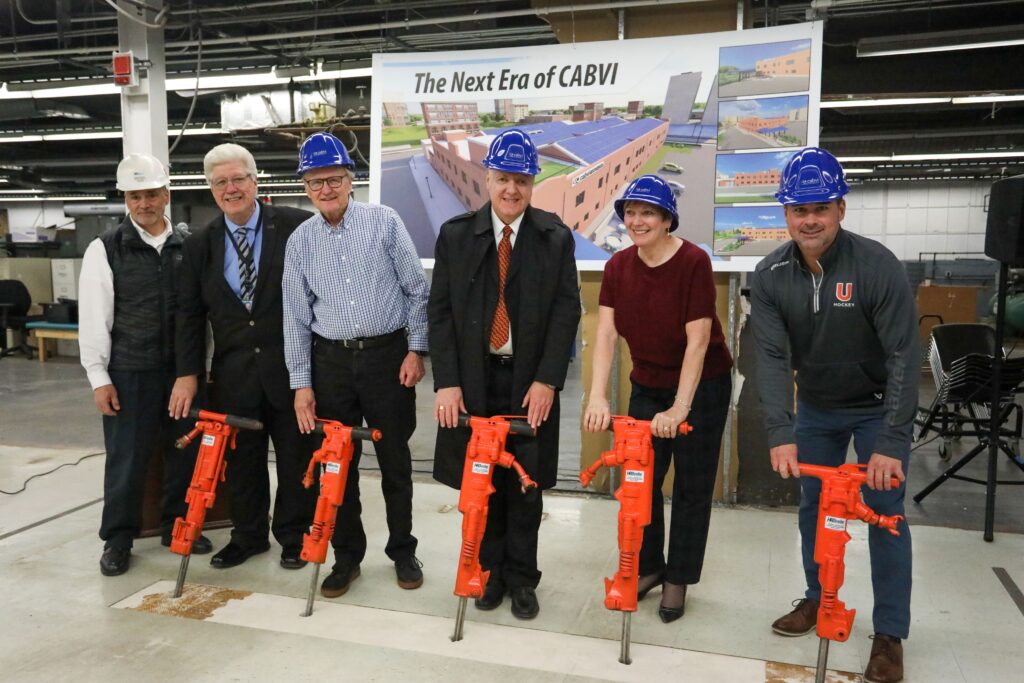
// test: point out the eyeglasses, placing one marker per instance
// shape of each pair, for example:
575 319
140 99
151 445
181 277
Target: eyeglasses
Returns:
237 181
334 182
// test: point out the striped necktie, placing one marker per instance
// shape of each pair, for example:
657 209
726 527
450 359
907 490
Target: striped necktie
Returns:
246 268
500 324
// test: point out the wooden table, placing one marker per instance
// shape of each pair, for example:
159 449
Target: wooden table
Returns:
44 333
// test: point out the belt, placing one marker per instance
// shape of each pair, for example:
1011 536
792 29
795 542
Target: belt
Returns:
501 360
361 343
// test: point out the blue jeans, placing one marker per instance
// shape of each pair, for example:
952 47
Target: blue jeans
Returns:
822 438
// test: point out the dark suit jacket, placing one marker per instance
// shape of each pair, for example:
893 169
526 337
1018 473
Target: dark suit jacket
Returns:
542 296
248 351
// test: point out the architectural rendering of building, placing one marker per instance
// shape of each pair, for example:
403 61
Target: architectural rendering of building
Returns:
793 64
584 166
440 117
397 113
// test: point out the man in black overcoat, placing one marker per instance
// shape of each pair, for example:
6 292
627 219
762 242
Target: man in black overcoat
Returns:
503 319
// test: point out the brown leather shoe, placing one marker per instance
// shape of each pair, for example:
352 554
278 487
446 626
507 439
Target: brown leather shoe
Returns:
886 663
801 620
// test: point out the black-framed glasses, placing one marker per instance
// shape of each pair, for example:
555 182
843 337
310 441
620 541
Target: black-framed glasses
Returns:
237 181
334 182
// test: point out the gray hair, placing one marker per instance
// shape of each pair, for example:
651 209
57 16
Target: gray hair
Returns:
227 153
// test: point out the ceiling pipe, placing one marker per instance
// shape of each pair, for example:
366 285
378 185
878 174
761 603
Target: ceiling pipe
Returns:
375 27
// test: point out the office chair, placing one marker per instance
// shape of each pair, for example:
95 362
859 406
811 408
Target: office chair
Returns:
14 304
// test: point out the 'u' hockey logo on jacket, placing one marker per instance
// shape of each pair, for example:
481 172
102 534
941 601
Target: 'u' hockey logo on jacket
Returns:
844 292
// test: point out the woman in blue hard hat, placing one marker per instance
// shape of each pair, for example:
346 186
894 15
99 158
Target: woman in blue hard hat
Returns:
659 295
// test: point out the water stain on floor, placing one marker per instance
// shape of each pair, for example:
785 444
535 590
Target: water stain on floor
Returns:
778 672
196 602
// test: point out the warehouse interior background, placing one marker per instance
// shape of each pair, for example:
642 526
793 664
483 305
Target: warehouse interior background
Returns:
922 101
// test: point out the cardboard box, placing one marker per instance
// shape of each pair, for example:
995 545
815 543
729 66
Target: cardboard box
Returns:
942 304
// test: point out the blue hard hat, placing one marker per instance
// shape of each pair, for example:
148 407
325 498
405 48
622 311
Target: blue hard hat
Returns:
652 190
811 175
512 151
321 150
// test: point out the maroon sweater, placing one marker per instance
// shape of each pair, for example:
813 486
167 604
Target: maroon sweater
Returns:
652 307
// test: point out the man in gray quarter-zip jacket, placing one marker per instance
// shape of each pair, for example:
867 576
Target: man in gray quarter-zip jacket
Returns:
837 308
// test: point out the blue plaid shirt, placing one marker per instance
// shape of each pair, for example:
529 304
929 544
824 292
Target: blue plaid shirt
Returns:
361 279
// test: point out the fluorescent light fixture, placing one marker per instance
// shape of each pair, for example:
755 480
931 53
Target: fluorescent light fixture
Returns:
889 102
189 187
187 84
283 194
173 132
20 191
849 171
941 41
936 157
55 198
93 135
982 99
22 138
200 176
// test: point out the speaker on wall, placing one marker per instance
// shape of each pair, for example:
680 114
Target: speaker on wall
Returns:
1004 232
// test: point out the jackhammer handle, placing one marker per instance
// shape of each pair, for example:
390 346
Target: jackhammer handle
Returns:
684 426
358 433
230 420
823 471
517 427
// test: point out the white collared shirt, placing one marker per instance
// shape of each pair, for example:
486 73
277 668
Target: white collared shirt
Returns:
498 226
96 304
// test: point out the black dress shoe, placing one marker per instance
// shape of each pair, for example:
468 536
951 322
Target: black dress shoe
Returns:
115 561
409 573
233 555
290 557
200 546
338 581
673 602
524 603
494 594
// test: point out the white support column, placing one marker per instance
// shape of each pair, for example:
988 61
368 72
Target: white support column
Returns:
144 107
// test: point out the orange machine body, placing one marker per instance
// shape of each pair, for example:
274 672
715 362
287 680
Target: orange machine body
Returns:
335 456
486 450
840 501
633 451
209 471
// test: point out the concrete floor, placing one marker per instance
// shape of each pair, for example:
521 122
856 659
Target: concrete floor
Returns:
64 621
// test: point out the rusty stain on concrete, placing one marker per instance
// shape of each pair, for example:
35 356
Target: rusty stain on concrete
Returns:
196 602
779 672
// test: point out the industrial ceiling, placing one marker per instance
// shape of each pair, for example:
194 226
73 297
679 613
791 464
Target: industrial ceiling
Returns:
969 124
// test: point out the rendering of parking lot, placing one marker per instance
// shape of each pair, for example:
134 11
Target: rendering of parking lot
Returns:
764 69
763 123
745 178
749 230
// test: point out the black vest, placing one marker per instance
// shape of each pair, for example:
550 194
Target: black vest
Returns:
145 298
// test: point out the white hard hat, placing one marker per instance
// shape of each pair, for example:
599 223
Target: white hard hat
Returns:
141 172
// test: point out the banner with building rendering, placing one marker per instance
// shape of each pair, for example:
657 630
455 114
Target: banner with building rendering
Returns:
715 115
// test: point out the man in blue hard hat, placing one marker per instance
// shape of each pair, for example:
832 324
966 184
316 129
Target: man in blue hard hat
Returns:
504 306
231 281
838 309
355 325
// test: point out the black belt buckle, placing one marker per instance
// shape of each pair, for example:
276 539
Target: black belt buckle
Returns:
501 360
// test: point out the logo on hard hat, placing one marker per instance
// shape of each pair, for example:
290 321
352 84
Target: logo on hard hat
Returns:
516 153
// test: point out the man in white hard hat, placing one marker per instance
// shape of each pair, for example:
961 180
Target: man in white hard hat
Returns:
127 299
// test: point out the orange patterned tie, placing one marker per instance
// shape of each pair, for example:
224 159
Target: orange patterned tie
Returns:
499 326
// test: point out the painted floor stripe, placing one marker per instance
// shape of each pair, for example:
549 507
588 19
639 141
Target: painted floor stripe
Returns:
1011 587
488 643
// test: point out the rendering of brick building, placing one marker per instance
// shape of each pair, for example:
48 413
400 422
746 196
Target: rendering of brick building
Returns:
440 117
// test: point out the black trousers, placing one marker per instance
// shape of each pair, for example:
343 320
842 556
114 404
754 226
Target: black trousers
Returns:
352 385
248 478
509 547
696 466
141 428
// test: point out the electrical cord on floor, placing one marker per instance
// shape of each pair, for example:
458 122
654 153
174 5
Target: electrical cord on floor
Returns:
43 474
925 443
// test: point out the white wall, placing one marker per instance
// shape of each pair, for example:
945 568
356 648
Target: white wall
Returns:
911 218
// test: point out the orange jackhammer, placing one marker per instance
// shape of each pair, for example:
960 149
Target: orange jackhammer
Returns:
334 457
217 430
633 451
486 450
840 500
